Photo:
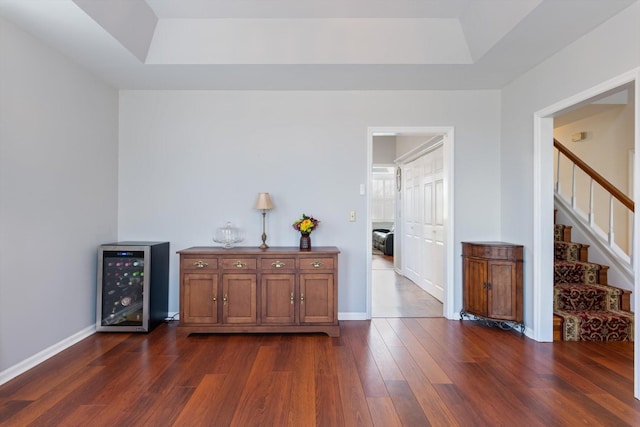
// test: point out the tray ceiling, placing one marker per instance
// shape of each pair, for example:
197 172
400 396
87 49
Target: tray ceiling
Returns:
309 44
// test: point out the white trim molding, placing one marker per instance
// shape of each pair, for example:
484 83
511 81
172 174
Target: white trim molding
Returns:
47 353
446 134
353 316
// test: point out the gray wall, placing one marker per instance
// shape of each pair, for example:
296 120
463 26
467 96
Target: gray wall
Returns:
200 157
58 194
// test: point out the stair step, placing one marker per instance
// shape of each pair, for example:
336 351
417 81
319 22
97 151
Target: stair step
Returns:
596 325
581 297
579 272
562 233
619 298
570 251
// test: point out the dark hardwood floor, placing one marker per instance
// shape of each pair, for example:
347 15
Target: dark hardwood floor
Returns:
387 372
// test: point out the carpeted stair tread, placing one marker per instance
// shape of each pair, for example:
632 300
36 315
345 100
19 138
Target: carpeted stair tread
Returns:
562 232
582 297
570 251
579 272
607 325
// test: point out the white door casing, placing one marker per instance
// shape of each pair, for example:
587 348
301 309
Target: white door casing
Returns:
445 136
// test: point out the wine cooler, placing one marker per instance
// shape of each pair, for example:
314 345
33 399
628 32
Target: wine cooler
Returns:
133 286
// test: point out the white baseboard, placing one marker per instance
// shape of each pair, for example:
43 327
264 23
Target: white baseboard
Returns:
36 359
353 316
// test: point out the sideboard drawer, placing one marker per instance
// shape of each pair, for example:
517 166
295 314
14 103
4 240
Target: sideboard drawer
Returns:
239 263
316 263
277 264
198 263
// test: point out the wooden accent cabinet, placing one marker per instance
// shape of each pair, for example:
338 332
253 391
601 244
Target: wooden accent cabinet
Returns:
280 289
492 282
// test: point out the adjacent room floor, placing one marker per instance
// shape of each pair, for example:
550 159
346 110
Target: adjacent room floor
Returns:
396 296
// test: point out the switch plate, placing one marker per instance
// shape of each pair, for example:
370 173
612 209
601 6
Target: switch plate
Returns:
352 216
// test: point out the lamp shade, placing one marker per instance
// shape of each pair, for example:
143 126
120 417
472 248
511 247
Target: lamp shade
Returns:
263 202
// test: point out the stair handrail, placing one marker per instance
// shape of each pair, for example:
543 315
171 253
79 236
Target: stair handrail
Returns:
612 189
603 238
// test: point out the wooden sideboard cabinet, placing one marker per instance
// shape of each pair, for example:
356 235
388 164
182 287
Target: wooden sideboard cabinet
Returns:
279 289
492 282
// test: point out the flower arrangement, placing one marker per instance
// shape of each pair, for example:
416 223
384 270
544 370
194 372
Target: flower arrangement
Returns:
306 224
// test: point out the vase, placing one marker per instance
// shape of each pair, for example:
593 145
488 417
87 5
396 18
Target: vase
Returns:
305 242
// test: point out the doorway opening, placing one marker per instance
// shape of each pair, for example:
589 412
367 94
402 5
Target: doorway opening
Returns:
544 204
409 206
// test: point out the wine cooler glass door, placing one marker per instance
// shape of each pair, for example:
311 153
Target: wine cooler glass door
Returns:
122 288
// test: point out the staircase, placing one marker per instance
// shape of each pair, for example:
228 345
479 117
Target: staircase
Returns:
585 306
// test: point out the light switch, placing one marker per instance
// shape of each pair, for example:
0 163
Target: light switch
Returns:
352 216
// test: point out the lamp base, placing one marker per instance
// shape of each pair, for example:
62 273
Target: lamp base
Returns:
264 239
264 233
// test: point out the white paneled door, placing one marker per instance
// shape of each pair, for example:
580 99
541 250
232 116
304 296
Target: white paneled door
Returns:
424 222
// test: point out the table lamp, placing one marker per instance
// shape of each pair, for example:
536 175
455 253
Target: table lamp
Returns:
264 203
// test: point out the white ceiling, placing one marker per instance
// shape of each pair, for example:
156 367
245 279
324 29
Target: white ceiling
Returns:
309 44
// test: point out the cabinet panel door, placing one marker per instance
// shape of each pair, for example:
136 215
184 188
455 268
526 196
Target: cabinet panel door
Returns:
474 286
199 298
239 298
316 298
278 298
502 295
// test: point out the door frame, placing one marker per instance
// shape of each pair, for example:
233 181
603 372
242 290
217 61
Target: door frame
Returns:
447 133
543 209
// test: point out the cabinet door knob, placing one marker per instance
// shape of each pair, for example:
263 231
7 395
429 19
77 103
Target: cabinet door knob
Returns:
224 299
291 297
239 264
200 264
301 298
214 299
316 264
278 264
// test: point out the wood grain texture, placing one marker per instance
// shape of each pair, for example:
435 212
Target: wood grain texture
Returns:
386 372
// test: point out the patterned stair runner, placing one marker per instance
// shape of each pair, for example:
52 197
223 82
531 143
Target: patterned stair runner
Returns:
589 308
